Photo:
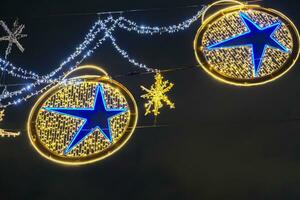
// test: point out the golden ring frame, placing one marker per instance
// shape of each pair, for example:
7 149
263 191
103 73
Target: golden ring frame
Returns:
44 152
245 82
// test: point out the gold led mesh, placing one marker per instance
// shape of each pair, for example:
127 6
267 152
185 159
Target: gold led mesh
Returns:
56 131
237 62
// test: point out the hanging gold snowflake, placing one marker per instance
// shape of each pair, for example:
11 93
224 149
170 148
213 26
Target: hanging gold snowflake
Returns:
4 133
156 95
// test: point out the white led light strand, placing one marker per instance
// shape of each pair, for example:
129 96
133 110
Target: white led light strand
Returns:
89 38
48 79
18 72
83 51
129 25
121 23
125 55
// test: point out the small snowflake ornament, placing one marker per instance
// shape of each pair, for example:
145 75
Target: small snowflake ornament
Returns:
156 95
13 36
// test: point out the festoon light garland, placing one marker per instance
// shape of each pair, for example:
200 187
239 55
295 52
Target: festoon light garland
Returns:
84 50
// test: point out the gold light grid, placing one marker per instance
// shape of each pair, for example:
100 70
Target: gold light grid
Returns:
56 131
237 63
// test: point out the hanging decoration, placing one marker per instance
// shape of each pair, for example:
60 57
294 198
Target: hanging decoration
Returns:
156 95
13 36
246 45
85 118
6 133
42 83
91 43
82 119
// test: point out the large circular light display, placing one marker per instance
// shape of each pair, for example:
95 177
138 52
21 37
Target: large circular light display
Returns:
247 45
82 120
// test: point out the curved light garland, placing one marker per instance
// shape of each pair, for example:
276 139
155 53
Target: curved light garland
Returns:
83 51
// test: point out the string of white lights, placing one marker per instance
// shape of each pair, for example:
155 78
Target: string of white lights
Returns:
125 55
18 72
129 25
150 30
83 51
89 38
48 79
132 26
94 31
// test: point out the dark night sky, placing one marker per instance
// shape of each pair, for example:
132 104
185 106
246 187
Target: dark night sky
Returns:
221 142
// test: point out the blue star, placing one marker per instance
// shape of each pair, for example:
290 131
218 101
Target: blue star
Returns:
257 38
94 118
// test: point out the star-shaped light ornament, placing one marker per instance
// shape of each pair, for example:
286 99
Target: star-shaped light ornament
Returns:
84 119
247 45
259 39
157 96
13 36
96 118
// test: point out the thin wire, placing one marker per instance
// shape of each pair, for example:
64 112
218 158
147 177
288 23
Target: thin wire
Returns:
132 10
118 11
132 73
147 10
135 73
273 121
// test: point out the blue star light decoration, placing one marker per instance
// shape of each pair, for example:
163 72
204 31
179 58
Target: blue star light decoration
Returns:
97 117
259 39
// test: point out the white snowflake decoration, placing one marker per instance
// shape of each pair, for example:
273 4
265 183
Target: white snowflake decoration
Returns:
13 36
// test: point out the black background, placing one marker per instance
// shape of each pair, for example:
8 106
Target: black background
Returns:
221 141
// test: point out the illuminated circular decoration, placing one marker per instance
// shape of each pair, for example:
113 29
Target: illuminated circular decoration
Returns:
82 119
247 45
